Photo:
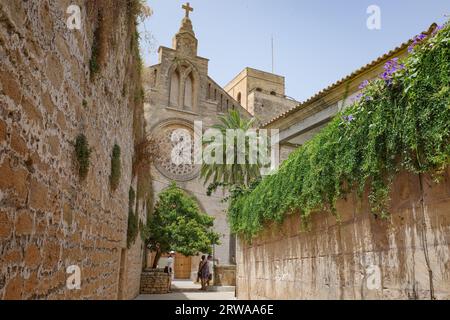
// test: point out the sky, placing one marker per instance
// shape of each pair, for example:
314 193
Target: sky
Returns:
316 42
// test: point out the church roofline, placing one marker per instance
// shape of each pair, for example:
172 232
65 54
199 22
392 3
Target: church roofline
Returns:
349 77
171 49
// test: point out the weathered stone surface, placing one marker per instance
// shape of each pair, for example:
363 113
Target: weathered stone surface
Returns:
154 282
337 260
225 275
49 219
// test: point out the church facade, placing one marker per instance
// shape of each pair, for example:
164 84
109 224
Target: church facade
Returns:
179 92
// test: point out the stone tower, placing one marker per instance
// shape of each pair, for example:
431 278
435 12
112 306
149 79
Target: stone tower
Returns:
261 93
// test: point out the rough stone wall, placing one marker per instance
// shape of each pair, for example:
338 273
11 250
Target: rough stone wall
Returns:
49 219
340 260
155 282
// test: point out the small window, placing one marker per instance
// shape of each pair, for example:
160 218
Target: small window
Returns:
239 98
155 77
273 93
259 89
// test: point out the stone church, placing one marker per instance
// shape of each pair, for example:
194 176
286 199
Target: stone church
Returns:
181 92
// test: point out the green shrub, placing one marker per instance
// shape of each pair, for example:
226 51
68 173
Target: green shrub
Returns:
83 155
133 219
400 123
114 178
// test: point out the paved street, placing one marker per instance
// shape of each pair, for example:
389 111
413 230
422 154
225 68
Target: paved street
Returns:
186 290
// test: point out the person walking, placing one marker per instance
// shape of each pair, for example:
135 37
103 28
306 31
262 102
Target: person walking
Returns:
169 267
199 272
204 273
211 271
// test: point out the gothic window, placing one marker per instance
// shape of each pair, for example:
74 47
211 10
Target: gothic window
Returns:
189 92
239 97
178 165
174 88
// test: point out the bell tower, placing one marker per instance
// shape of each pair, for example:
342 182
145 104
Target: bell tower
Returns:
185 41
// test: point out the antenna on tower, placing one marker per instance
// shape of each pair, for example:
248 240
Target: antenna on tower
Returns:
273 67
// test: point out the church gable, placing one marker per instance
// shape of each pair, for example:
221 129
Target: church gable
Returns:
180 82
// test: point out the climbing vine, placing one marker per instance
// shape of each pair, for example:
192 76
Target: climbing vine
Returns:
133 219
114 178
401 121
83 155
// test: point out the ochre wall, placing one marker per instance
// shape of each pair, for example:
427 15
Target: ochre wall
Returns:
337 260
50 220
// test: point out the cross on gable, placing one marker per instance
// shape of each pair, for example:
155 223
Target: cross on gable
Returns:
188 9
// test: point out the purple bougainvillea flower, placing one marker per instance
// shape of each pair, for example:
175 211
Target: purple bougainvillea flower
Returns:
364 84
391 67
348 118
416 41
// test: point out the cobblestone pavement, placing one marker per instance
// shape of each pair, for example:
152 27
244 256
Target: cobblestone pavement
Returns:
186 290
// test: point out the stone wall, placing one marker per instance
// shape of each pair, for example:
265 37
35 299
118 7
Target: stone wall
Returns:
265 106
341 260
224 275
49 219
155 282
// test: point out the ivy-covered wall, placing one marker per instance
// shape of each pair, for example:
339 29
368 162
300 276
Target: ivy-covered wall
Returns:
360 256
362 211
400 122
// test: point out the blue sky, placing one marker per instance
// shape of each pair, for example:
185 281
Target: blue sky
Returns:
316 42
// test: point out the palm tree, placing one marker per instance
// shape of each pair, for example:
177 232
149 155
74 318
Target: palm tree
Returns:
231 174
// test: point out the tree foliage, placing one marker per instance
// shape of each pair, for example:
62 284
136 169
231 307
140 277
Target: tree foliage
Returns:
178 224
400 122
232 174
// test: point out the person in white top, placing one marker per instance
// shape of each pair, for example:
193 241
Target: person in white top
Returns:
170 261
211 270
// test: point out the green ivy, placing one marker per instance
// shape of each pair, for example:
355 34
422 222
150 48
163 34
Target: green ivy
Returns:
133 219
114 178
400 123
83 155
94 62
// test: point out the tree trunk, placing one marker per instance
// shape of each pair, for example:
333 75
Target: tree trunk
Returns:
144 260
157 257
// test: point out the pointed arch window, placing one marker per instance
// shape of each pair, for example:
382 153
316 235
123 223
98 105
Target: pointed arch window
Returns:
239 97
175 88
189 92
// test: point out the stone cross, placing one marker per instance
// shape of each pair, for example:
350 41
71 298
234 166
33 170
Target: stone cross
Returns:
188 9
